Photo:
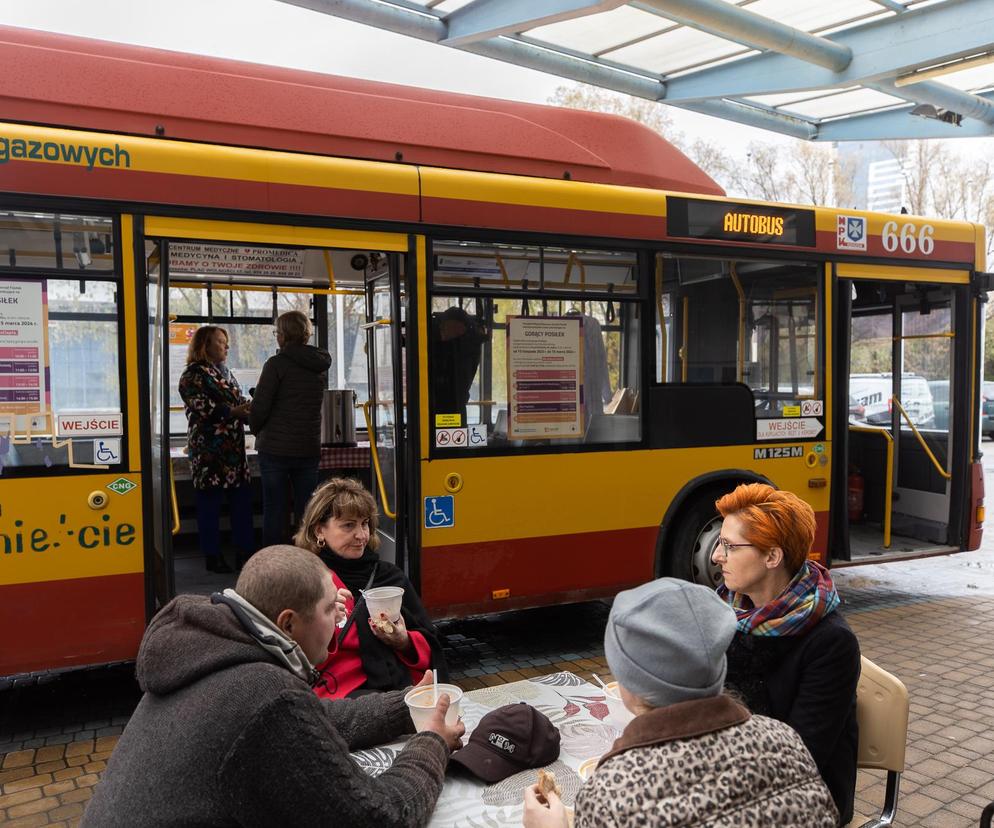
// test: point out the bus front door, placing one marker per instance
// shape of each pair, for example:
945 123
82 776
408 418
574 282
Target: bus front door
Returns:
385 409
902 421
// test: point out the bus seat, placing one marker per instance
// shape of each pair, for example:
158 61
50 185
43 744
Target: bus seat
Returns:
882 713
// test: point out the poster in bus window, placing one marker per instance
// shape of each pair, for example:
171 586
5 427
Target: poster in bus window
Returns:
25 384
235 260
544 377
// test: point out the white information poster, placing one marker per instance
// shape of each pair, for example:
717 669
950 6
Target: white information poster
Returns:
233 260
25 386
544 377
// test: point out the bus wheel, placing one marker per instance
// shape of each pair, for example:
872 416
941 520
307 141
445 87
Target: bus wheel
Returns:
693 542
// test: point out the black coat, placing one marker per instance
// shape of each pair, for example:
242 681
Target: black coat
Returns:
383 669
808 682
286 405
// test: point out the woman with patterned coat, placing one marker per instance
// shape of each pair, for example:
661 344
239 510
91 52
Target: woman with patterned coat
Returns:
793 656
216 412
691 756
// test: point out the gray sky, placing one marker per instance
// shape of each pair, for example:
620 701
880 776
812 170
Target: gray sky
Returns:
266 31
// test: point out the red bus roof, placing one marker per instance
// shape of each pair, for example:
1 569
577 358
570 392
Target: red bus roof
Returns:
59 80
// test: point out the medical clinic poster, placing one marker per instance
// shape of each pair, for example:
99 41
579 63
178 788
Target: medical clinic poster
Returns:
544 377
24 378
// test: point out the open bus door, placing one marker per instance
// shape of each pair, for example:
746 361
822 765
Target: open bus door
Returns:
903 430
385 410
161 584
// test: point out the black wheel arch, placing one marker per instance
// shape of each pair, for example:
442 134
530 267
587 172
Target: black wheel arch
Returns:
726 479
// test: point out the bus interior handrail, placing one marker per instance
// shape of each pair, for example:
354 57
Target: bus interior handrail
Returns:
921 440
376 461
173 499
889 485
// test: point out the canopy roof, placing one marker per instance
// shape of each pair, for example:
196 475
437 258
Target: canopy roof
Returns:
824 70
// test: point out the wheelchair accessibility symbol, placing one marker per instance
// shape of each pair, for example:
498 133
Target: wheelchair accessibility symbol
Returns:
439 512
107 451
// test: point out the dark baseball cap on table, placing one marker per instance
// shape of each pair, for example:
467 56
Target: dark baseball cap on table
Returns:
508 740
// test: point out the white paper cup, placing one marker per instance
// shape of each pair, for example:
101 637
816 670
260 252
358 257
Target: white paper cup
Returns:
386 600
421 704
617 712
587 767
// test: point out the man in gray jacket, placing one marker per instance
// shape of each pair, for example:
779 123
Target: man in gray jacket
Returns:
230 733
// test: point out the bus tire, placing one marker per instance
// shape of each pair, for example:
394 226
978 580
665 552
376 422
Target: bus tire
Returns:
693 540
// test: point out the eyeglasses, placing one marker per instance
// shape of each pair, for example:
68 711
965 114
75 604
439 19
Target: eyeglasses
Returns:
727 547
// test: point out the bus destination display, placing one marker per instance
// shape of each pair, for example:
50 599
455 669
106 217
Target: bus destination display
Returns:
730 221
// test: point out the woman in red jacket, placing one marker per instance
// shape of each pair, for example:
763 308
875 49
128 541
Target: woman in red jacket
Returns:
339 526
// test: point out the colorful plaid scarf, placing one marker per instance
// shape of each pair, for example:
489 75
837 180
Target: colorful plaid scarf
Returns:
808 598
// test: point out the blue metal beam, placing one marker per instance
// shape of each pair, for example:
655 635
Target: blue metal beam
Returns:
882 49
964 103
754 30
899 125
756 116
426 26
483 19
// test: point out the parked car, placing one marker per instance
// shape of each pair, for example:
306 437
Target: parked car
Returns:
987 410
873 392
940 403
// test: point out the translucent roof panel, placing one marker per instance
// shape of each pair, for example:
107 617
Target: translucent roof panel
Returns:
979 77
597 33
843 103
815 16
674 50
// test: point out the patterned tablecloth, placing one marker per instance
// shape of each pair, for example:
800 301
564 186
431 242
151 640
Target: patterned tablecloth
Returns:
577 709
355 457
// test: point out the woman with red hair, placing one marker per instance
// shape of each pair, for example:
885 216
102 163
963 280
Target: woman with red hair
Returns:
793 656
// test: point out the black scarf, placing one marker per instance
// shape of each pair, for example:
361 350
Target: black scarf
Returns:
384 671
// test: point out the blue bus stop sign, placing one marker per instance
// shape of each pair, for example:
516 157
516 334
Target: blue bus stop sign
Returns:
440 512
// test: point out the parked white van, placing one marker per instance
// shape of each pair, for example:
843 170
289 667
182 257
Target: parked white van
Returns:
872 394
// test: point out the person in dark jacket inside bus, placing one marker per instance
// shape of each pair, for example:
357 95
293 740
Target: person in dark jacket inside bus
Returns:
286 419
793 656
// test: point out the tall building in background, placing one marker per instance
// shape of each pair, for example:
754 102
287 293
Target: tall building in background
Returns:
878 180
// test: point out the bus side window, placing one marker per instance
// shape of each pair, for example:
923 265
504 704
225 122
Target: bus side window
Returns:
59 344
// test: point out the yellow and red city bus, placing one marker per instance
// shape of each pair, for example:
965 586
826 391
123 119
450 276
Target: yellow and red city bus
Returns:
566 341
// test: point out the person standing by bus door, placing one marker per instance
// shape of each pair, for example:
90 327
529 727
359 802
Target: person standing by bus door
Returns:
286 419
216 412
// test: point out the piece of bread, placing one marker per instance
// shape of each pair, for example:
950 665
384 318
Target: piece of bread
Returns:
384 625
547 783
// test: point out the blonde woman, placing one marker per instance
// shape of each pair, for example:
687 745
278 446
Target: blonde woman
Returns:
216 412
286 419
339 526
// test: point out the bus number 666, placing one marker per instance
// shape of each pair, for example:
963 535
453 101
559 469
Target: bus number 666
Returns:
910 238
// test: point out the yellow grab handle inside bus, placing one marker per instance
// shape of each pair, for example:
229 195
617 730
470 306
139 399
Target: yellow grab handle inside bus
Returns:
921 439
172 498
376 461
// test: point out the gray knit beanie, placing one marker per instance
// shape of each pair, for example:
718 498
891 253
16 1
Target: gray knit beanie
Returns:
665 641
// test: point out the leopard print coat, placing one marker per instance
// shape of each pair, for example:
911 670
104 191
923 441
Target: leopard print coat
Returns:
707 762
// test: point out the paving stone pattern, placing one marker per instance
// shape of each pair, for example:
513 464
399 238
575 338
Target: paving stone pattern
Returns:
929 622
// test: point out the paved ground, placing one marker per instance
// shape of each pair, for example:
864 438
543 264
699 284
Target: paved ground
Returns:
930 622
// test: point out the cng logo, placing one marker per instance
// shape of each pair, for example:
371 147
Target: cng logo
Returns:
122 486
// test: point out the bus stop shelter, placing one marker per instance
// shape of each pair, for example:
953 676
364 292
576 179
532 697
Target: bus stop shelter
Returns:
850 70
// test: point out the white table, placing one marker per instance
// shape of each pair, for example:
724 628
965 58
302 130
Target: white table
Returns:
574 706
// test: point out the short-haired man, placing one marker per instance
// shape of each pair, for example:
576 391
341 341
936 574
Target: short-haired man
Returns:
229 733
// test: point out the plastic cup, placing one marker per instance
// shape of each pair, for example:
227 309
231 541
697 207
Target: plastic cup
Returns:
421 704
617 712
386 600
587 767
